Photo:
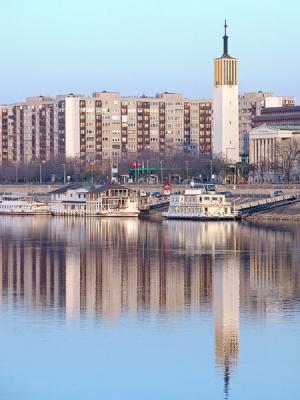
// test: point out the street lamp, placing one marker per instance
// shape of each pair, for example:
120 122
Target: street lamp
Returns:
41 180
211 170
16 165
40 167
187 171
64 166
161 172
147 173
235 174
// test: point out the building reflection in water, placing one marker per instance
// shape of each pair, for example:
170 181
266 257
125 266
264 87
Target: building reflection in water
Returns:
103 268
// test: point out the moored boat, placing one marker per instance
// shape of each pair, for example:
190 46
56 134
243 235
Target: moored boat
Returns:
22 204
97 201
198 204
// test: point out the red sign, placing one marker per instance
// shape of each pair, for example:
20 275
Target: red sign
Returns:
166 186
135 165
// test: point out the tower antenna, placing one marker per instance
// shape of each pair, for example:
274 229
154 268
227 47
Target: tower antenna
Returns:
225 40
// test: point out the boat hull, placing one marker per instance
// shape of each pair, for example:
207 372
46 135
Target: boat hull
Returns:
12 212
203 218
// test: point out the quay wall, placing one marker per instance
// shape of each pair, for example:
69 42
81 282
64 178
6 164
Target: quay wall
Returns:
254 190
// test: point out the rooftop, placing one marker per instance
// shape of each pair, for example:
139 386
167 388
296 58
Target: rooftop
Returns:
69 187
281 110
277 117
278 127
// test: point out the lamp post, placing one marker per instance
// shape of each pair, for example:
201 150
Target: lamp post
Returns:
41 180
16 173
64 166
211 170
161 172
235 174
187 171
147 174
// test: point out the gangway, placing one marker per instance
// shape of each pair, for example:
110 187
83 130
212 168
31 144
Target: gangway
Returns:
263 205
151 205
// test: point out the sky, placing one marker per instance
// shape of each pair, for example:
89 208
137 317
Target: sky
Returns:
143 47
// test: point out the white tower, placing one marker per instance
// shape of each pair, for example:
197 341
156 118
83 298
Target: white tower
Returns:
226 105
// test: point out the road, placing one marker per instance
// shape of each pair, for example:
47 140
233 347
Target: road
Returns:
237 190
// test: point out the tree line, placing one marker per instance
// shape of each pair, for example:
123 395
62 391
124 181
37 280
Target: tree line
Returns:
58 170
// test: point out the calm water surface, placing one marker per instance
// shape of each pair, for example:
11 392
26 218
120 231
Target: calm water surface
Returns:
138 310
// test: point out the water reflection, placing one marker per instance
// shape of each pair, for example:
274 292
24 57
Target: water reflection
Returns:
109 268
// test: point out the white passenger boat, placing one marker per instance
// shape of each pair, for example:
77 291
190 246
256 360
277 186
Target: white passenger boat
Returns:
97 201
198 204
22 204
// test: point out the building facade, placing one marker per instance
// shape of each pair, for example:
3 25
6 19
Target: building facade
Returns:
104 126
263 154
33 130
252 105
225 105
107 126
278 116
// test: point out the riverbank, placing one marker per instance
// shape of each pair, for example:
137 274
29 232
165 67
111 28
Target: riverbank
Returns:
289 212
238 190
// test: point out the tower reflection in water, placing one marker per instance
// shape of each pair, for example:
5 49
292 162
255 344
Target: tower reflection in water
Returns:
105 268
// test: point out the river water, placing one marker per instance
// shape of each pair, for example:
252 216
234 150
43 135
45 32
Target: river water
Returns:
143 310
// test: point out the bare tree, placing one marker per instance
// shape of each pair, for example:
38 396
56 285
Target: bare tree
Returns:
218 165
263 167
287 154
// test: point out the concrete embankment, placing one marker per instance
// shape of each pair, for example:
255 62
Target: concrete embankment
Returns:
251 190
29 189
290 212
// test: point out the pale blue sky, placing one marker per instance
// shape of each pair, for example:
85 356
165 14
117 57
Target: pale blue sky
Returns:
135 47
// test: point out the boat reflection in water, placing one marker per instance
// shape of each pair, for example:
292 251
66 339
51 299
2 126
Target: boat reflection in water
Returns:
103 269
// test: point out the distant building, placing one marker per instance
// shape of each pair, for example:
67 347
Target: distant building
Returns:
263 141
104 126
252 105
107 126
226 113
278 116
32 130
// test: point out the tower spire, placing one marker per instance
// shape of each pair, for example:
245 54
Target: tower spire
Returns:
225 41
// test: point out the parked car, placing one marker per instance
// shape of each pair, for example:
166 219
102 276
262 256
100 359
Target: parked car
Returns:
155 194
228 194
276 193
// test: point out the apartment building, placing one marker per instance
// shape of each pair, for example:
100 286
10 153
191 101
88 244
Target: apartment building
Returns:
104 126
107 126
252 105
32 130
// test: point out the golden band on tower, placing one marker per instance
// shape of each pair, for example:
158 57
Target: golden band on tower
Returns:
225 71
